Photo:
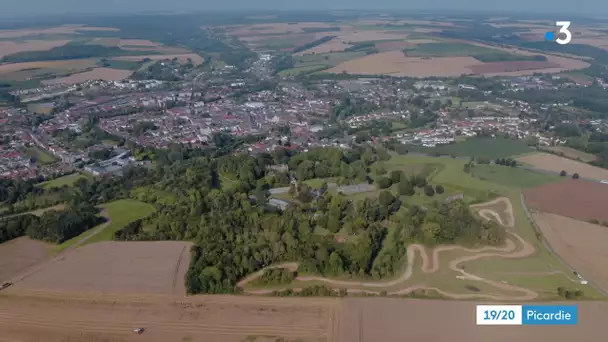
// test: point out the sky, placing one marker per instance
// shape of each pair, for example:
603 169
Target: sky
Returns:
15 8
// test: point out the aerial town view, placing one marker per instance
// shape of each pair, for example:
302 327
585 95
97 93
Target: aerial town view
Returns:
302 175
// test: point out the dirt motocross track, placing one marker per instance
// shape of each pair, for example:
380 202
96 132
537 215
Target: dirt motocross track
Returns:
514 248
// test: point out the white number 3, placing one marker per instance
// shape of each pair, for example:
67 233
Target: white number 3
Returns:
564 29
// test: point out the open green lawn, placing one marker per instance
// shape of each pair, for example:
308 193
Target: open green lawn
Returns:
121 213
41 156
512 176
68 180
478 148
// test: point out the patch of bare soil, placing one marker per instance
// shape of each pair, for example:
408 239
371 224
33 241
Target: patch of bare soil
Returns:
18 255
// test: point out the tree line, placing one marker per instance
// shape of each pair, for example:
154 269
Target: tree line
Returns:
52 226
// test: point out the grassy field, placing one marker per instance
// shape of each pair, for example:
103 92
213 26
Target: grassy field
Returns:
121 213
512 176
41 156
478 148
61 181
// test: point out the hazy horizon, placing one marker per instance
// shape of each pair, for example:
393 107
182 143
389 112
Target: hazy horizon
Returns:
28 8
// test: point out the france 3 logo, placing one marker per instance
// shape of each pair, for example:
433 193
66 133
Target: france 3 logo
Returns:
563 37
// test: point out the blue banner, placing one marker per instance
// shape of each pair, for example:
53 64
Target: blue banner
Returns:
549 315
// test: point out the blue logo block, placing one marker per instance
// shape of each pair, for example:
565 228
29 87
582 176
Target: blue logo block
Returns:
549 36
549 315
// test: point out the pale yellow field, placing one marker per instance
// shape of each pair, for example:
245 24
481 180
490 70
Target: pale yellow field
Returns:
550 162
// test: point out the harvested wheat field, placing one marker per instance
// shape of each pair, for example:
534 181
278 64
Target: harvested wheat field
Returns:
582 245
69 65
7 48
18 255
572 153
64 29
551 162
106 74
53 317
119 267
196 59
578 199
393 320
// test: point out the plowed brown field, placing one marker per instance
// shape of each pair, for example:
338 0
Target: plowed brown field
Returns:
582 200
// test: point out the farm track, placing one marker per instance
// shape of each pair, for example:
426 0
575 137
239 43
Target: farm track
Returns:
431 264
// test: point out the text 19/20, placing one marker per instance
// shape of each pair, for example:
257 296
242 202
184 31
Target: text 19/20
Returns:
504 315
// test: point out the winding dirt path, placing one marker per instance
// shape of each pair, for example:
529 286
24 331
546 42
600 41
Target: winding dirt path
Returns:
431 264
